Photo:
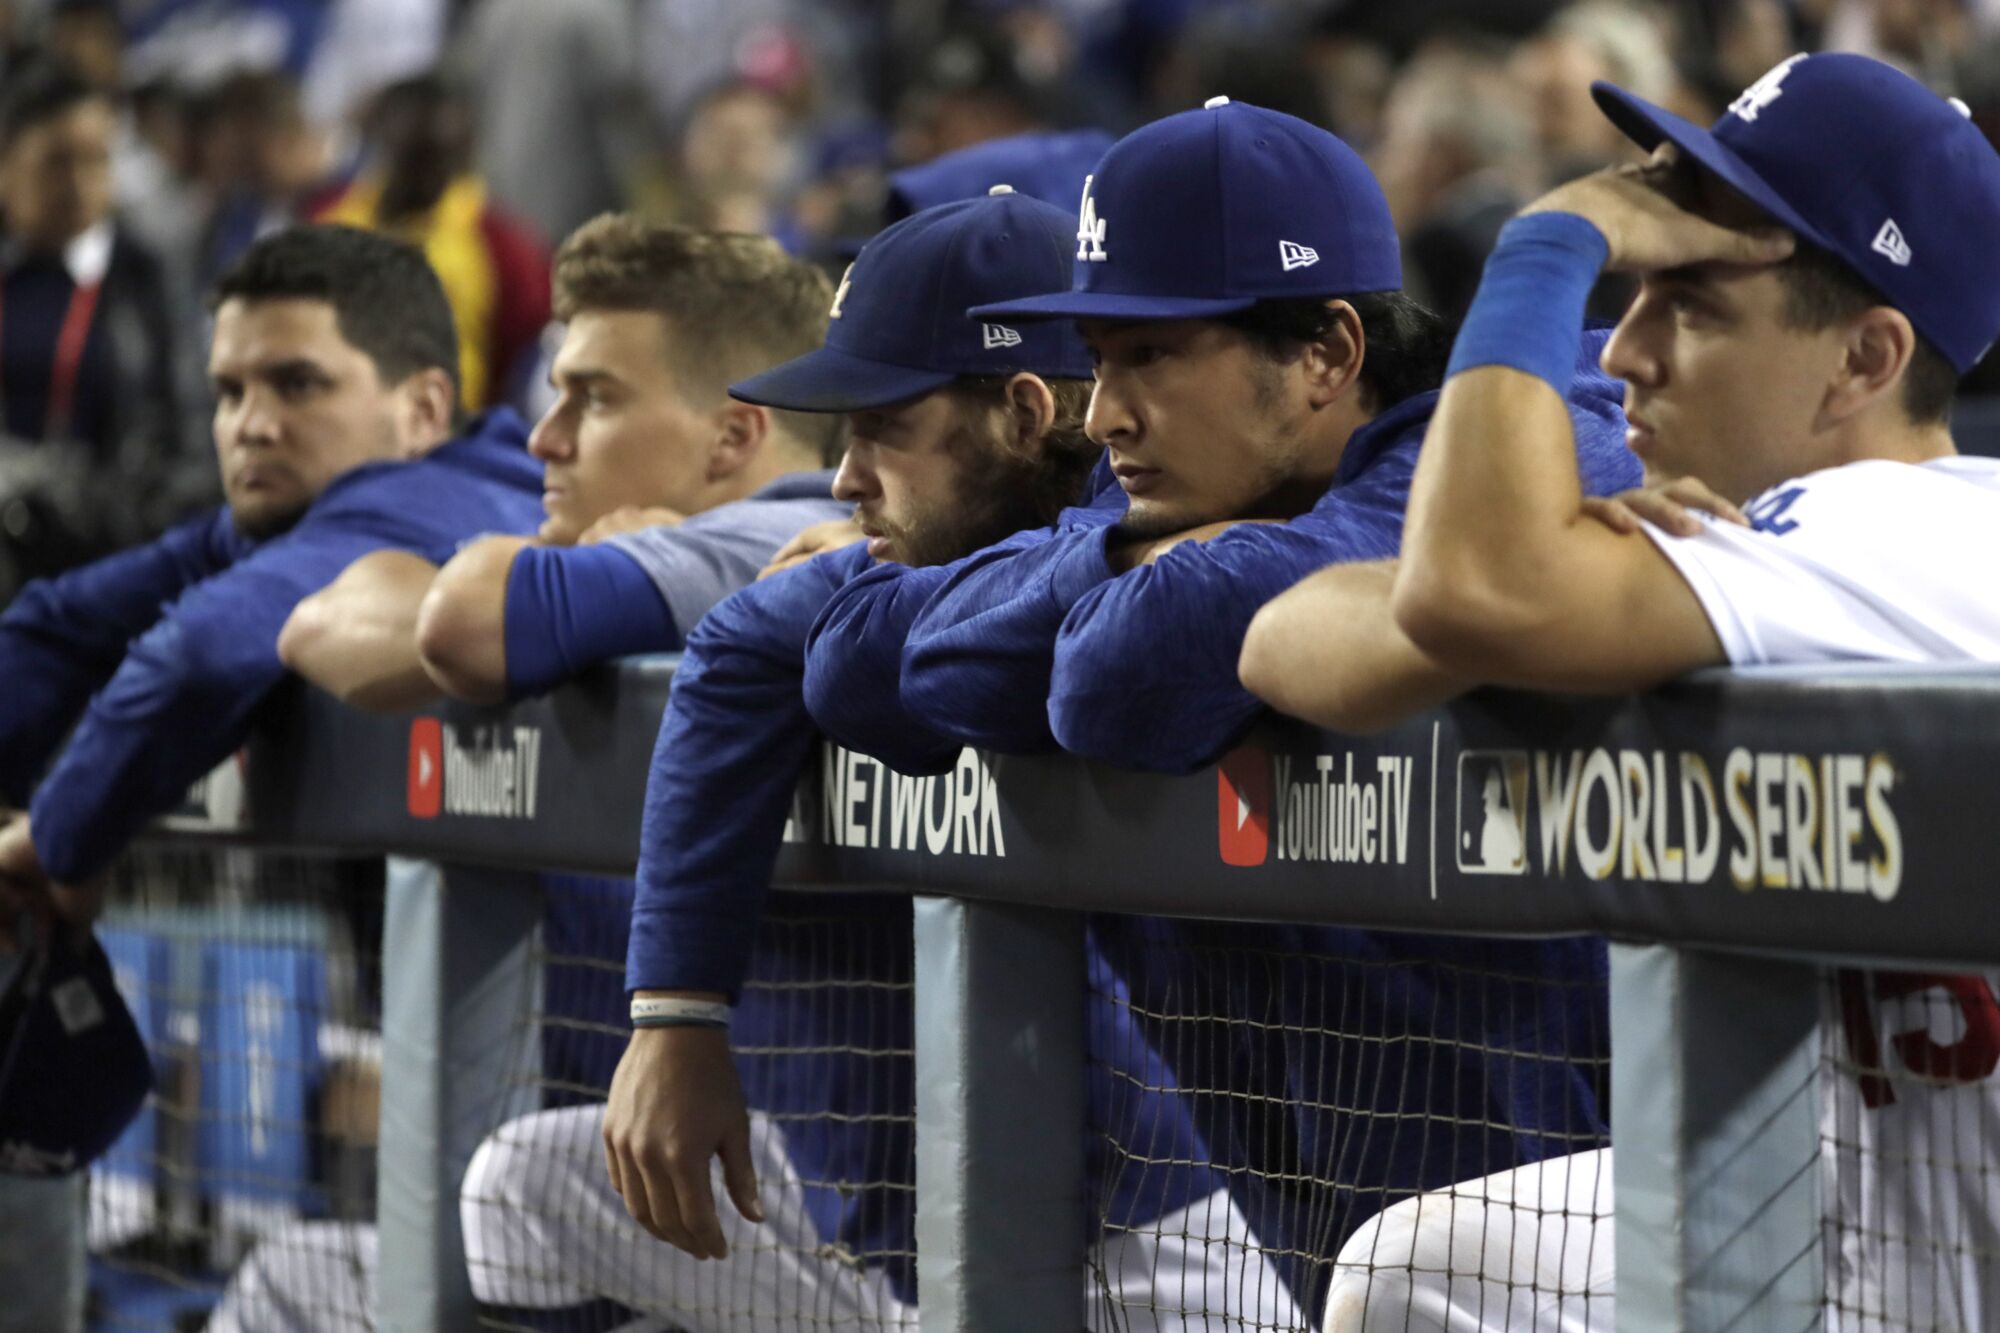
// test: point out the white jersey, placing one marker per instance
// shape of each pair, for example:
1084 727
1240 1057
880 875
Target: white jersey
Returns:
1885 562
1875 561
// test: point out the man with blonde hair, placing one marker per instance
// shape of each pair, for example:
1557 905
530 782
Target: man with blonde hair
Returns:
661 494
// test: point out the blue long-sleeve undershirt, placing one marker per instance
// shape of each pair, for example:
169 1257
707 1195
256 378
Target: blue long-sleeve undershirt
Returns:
183 694
1132 686
62 638
732 743
570 607
1039 642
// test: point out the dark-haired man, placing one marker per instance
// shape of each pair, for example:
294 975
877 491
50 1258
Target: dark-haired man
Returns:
333 365
1816 272
90 366
661 494
1262 389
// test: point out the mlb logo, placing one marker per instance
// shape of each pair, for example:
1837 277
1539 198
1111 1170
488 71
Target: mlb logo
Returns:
1492 837
1243 807
426 782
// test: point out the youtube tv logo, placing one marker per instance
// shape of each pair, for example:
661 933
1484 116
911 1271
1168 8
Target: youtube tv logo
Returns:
1243 807
426 789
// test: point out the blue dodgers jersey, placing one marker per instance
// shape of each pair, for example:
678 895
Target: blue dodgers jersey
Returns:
1131 686
863 644
180 697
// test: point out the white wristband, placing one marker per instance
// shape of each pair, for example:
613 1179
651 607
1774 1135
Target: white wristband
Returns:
674 1011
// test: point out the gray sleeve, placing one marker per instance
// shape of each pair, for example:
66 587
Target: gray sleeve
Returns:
700 561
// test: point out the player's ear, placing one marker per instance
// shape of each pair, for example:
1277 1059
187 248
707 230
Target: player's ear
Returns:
426 403
1332 361
740 432
1030 412
1877 351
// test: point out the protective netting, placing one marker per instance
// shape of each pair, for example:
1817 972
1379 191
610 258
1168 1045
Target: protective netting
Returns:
1910 1130
1259 1093
255 980
822 1036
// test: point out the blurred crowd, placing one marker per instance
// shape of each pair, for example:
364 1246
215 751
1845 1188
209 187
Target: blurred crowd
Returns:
145 143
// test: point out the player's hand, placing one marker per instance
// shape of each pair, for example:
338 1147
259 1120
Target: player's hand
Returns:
1643 211
630 518
1670 507
820 537
675 1103
24 885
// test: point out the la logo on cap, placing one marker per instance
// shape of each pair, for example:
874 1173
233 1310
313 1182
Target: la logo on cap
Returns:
1751 103
840 292
1090 229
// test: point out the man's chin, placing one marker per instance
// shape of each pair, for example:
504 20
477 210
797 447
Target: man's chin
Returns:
263 520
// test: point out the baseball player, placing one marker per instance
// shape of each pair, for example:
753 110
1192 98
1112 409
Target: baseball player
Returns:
641 416
661 495
1817 271
332 362
959 434
1262 389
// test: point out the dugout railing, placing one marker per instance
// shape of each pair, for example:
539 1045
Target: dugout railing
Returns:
1728 834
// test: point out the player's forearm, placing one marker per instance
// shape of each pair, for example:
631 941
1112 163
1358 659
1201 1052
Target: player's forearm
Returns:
1496 493
356 638
1329 651
461 625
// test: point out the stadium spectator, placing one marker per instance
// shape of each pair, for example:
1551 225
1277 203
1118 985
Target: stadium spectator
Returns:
1592 39
736 161
1292 388
557 151
419 186
89 372
957 438
661 495
1795 345
1456 159
88 37
259 161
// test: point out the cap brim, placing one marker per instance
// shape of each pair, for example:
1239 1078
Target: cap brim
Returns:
1648 126
1111 305
830 380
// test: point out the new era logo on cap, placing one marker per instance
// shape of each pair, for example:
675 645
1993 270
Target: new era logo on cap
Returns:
998 335
426 789
1889 243
1293 255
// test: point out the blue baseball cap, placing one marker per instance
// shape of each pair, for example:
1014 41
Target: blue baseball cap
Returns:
1860 159
898 328
1045 166
74 1070
1208 212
